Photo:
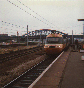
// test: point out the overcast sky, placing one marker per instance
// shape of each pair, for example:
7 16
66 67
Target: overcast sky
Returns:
60 15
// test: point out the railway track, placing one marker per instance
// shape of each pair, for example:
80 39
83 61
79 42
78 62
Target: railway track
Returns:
12 55
27 78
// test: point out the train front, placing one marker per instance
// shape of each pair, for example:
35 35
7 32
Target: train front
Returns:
54 44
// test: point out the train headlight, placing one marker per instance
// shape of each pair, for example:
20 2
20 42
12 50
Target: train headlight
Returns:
59 46
46 46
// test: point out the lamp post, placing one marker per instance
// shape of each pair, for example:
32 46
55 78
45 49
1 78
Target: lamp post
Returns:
72 36
83 25
40 35
83 29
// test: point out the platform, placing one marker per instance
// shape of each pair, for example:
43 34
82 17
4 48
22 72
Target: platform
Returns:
66 72
74 73
52 77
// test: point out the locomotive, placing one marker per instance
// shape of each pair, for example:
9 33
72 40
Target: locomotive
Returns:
56 43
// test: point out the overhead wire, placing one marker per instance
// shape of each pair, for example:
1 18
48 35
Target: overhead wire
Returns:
27 12
34 12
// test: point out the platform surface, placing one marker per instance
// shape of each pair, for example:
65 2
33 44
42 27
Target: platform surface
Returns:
66 72
52 77
74 72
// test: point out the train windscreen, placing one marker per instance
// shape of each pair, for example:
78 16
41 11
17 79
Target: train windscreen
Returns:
54 40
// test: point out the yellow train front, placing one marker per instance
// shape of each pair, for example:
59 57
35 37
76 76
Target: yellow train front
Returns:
54 44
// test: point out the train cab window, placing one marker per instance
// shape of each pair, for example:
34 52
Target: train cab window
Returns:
64 41
54 40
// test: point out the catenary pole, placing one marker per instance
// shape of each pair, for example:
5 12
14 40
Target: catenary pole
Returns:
27 35
72 36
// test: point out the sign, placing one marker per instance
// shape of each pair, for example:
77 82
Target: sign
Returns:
82 57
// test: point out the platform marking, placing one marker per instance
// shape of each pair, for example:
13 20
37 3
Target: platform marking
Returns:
44 72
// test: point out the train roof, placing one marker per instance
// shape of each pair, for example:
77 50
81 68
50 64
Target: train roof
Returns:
45 29
54 35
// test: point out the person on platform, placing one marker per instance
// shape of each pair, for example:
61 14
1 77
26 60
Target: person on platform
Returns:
76 44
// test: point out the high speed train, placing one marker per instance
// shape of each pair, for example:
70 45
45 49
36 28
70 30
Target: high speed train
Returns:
55 43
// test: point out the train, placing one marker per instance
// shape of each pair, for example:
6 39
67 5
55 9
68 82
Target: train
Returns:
55 43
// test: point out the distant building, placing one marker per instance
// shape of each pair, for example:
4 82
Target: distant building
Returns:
13 35
3 34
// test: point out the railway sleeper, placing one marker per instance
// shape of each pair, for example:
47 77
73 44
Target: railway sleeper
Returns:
25 84
37 71
18 87
26 81
29 77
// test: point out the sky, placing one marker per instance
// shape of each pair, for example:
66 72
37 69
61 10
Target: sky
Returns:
60 15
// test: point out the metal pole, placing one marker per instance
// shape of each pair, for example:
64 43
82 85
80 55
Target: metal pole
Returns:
83 25
83 29
40 35
72 36
27 35
17 36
